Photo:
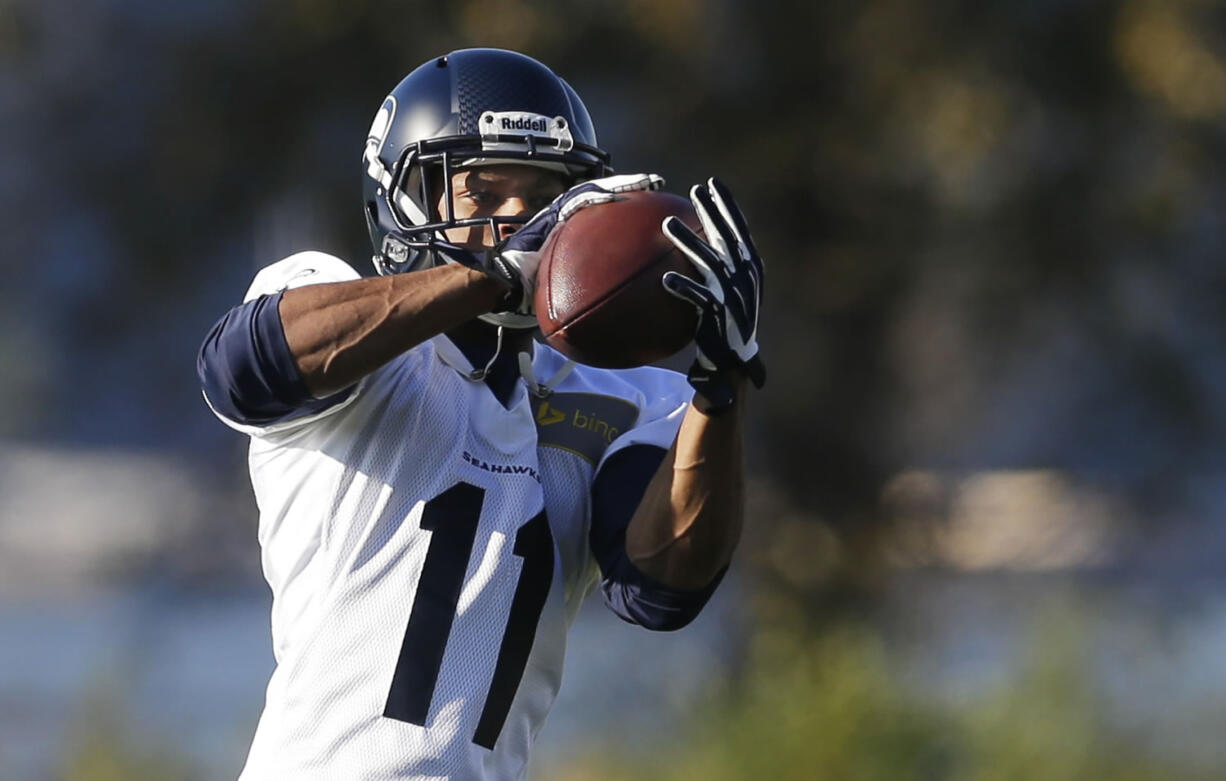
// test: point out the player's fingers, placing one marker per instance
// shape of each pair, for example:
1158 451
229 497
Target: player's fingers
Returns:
714 214
621 183
717 235
582 201
732 215
698 251
694 248
687 289
578 191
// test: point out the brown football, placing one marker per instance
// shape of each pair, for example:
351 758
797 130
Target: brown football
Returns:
599 299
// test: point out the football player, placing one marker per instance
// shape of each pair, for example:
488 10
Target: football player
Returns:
437 492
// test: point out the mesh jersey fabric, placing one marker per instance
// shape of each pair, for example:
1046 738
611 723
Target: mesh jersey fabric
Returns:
426 552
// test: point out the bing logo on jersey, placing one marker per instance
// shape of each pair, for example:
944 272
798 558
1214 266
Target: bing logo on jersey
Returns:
582 423
547 415
588 421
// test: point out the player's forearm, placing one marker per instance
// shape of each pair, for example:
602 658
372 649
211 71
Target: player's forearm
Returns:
340 332
689 521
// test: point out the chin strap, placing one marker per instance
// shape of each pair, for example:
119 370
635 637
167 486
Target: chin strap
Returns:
541 390
477 375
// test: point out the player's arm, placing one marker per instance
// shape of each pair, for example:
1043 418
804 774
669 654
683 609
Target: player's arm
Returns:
299 349
629 591
338 333
665 523
689 520
311 328
688 523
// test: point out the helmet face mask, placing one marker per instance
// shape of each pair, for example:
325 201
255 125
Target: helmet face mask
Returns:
469 108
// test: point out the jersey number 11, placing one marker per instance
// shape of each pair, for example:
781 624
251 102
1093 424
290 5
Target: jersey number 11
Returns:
451 518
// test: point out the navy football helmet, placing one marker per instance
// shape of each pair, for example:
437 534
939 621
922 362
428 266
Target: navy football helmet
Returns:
469 107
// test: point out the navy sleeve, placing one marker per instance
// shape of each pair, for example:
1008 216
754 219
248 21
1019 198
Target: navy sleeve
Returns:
634 597
247 371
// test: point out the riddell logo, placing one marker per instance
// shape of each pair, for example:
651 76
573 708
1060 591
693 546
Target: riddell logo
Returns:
525 123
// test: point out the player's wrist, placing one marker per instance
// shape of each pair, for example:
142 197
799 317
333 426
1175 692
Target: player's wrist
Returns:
509 280
717 390
497 271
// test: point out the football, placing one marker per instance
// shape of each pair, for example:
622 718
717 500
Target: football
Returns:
599 299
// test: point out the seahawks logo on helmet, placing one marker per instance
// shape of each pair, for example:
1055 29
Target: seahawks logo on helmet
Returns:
374 142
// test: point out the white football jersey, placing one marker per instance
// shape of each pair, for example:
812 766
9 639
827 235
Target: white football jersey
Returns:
427 550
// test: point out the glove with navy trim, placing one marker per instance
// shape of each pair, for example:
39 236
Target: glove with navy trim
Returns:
514 260
727 299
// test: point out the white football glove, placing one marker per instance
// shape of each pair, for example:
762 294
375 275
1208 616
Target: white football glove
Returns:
729 297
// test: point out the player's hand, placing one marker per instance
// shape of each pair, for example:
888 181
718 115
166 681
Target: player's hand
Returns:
515 260
727 299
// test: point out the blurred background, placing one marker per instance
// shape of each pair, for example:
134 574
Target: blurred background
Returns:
986 536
